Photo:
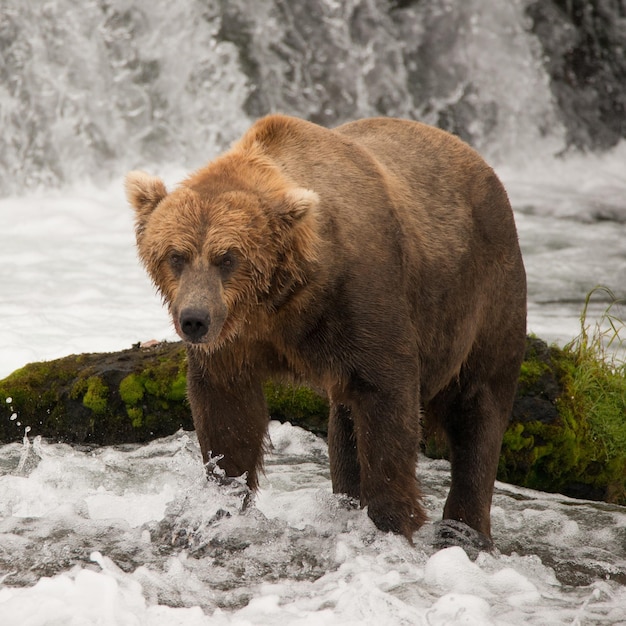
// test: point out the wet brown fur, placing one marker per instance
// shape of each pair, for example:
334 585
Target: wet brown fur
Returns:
379 261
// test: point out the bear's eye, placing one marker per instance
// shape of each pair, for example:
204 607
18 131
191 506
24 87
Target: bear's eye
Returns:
176 261
226 262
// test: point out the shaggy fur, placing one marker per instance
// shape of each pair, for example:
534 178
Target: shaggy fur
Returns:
378 261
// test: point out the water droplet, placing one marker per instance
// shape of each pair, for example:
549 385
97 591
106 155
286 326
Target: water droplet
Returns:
9 400
13 417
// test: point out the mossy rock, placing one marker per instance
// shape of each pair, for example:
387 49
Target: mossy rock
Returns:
539 385
568 428
129 396
298 405
124 397
567 432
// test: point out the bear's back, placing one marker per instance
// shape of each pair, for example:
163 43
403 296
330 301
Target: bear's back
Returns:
428 177
449 183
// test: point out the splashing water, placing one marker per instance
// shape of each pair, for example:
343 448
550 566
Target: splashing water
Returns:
107 535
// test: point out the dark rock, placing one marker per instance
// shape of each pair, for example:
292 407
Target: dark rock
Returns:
584 42
538 387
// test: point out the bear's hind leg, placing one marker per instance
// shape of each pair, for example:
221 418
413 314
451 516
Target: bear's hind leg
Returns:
474 418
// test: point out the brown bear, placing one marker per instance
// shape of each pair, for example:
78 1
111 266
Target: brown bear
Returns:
379 261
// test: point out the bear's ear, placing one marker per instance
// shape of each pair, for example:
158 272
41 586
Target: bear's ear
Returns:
300 202
300 207
144 192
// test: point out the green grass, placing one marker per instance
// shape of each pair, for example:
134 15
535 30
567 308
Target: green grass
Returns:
581 449
595 389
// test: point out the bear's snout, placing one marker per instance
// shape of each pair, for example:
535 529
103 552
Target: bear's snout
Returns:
194 324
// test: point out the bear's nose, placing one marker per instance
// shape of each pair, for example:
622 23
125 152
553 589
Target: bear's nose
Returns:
194 324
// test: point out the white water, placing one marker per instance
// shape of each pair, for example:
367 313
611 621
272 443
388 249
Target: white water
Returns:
135 534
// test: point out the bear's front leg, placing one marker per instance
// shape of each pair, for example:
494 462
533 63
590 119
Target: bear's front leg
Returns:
386 426
230 416
342 451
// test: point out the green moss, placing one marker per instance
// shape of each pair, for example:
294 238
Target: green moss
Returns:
156 389
515 439
178 387
96 395
167 381
136 416
554 456
299 405
42 379
584 449
532 370
131 390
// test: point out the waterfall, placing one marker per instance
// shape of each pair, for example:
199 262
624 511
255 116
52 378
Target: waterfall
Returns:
90 89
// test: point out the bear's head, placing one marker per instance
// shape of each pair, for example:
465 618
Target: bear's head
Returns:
222 255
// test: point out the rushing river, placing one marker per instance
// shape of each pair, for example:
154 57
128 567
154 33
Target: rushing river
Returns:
135 534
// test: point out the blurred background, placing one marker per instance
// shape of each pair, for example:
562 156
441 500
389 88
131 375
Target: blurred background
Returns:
92 88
